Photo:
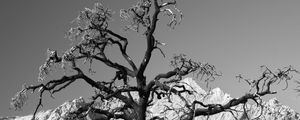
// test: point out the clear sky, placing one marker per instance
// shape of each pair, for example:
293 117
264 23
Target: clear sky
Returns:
237 36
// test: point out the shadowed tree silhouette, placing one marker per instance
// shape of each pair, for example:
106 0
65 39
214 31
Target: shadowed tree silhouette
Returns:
92 35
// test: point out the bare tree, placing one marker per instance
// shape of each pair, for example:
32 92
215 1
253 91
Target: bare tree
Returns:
93 36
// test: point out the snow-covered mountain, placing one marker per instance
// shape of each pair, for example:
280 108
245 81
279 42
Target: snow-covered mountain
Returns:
272 109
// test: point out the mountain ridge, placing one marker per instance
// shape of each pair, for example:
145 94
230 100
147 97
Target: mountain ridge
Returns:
272 109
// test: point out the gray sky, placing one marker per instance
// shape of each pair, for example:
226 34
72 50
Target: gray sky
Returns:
237 36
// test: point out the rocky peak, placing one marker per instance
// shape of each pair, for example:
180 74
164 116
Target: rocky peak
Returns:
59 113
272 109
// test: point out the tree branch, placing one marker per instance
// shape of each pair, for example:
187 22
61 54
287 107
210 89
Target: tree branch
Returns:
115 65
123 48
110 92
51 86
150 44
268 78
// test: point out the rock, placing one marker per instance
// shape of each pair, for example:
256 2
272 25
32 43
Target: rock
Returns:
272 109
59 113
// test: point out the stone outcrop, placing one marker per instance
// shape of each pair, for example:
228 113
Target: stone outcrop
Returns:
59 113
272 109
